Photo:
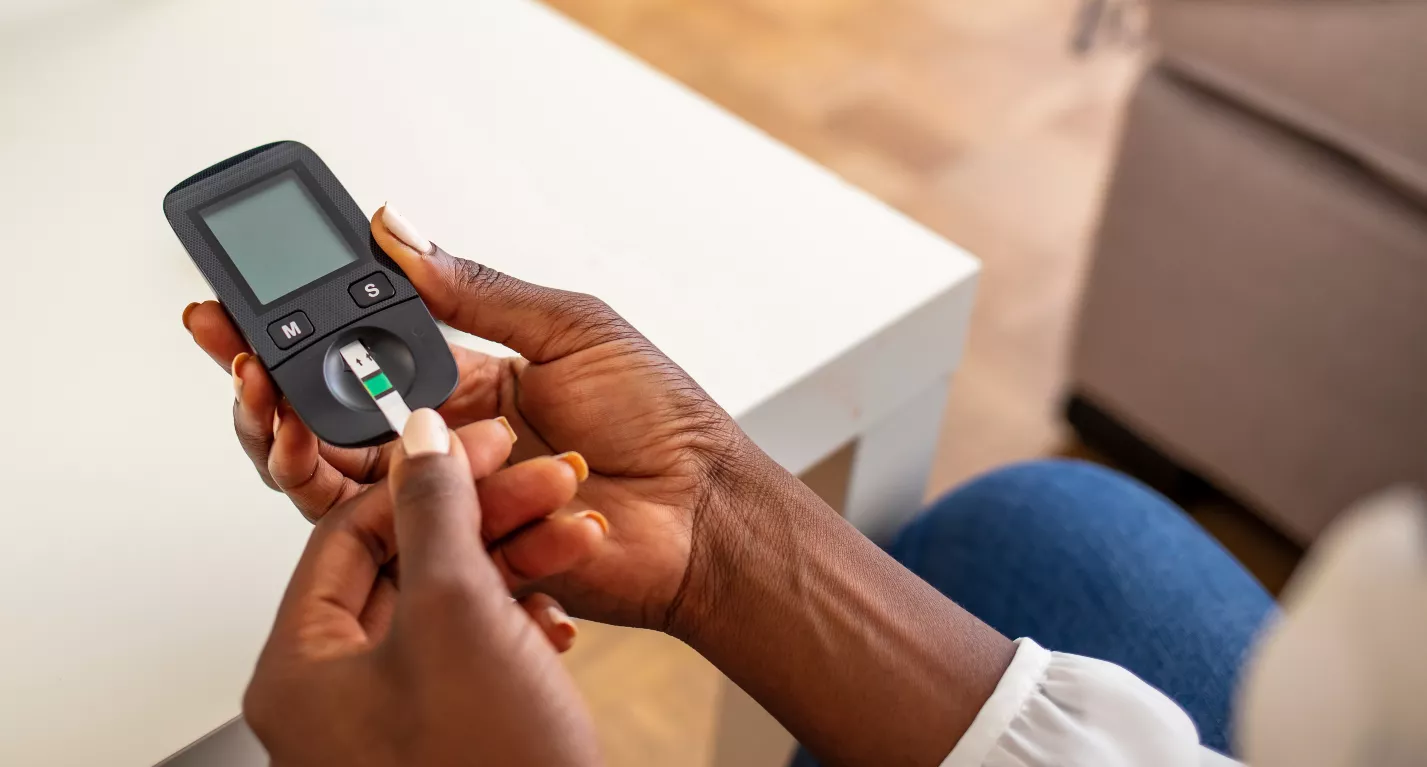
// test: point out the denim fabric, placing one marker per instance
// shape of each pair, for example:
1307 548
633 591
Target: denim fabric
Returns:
1088 561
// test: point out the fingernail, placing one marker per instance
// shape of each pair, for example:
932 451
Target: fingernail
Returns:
237 377
576 462
597 518
404 231
187 310
277 419
426 434
503 422
562 623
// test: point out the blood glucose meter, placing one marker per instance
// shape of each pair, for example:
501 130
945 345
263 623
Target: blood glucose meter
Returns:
334 320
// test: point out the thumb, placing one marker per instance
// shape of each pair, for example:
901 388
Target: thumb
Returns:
433 498
541 324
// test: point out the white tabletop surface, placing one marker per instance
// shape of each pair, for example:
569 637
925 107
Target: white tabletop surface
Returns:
142 559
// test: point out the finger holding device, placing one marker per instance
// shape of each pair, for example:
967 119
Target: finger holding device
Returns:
334 320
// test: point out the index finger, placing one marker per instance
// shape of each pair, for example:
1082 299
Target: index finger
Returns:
214 333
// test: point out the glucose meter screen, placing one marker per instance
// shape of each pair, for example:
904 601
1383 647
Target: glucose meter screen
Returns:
278 236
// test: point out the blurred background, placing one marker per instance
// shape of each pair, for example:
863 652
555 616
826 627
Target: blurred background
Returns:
1203 232
1203 227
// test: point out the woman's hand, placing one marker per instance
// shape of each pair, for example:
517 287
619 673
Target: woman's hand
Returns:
445 671
661 454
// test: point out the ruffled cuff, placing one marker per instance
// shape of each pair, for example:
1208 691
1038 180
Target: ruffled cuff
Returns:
1057 710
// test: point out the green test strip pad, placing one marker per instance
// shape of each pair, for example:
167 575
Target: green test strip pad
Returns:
388 400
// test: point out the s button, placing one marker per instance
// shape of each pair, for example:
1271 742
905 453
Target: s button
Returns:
371 289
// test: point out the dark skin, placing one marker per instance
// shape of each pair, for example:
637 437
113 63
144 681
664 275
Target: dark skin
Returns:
444 672
709 539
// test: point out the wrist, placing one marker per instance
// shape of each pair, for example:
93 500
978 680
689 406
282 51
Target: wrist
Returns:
751 527
851 652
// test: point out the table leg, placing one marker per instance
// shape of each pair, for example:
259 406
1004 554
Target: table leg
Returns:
893 463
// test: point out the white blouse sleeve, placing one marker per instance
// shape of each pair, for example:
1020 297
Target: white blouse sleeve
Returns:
1057 710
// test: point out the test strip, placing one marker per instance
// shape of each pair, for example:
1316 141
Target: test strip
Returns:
382 392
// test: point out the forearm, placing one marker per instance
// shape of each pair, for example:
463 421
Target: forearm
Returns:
861 660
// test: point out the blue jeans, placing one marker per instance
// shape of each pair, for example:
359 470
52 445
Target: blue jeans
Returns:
1088 561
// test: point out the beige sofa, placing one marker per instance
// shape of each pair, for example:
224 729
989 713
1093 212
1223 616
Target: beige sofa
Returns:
1256 310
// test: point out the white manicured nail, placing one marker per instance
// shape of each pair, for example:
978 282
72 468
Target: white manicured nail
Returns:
404 231
425 434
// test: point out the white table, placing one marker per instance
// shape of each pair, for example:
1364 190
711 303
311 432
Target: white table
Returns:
142 558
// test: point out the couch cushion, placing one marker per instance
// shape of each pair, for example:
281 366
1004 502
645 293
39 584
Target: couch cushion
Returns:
1352 73
1255 309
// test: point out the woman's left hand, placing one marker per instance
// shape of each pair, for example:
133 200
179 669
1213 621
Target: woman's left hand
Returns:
319 477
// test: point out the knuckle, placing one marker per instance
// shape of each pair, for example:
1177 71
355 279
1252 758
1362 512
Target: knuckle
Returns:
257 708
292 478
515 567
443 592
370 463
428 487
254 444
361 529
590 310
590 321
469 277
256 447
268 480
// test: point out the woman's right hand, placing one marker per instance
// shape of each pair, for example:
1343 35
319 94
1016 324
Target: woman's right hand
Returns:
666 462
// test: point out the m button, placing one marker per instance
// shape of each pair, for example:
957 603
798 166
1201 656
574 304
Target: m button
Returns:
371 289
290 330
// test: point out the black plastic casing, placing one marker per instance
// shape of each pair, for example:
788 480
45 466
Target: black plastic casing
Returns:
399 330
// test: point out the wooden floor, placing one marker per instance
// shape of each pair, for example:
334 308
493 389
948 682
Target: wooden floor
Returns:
971 116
